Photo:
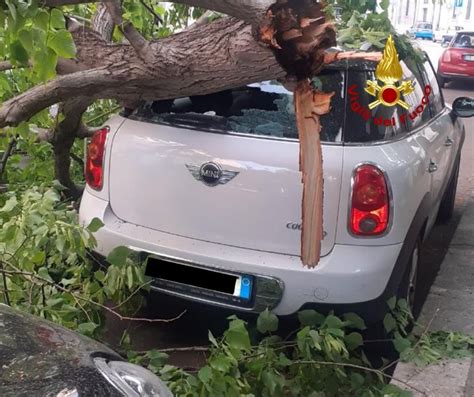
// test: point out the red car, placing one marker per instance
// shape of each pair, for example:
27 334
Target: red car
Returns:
457 61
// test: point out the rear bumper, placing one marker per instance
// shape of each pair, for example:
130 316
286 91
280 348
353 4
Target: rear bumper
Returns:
456 71
424 35
350 277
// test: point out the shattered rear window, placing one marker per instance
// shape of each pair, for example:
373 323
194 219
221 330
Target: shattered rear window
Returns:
264 109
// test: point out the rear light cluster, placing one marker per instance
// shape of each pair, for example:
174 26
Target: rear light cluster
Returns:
95 159
370 209
447 56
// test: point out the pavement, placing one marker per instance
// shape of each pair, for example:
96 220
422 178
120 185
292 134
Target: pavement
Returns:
449 307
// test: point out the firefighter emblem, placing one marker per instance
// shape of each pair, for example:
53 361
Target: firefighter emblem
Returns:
389 71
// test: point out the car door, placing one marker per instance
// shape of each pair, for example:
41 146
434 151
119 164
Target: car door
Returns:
431 135
443 125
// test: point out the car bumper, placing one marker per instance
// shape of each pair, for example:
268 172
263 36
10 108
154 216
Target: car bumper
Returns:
351 276
422 35
453 71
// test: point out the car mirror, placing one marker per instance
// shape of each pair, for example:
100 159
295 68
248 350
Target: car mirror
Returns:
463 107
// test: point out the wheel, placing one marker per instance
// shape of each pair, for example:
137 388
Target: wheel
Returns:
442 81
446 208
408 290
408 286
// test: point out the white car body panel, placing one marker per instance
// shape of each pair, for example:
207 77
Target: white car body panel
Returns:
151 202
348 274
250 211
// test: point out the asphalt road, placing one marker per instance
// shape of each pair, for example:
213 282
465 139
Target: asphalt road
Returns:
192 328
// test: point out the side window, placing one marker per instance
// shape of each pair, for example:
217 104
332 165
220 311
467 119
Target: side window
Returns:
418 112
436 97
363 124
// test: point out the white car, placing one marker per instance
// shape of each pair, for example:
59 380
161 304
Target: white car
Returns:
208 190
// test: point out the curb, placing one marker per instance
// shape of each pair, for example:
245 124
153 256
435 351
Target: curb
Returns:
452 296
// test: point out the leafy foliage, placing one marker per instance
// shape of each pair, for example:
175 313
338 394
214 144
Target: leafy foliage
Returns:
46 268
323 359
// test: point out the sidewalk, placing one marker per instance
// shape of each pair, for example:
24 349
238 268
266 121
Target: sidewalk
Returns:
452 294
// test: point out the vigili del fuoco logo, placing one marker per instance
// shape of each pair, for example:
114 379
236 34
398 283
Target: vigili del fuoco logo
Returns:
388 90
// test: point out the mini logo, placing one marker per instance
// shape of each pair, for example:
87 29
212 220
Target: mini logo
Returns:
211 174
389 71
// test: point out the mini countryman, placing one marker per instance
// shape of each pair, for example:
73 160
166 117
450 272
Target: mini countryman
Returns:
208 190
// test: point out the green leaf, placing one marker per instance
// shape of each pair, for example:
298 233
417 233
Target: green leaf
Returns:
221 363
26 39
99 275
310 317
237 336
267 322
392 302
353 340
9 205
87 328
384 4
212 339
205 374
39 257
401 344
389 323
62 44
57 19
270 380
44 64
354 320
130 279
118 256
332 321
18 52
95 225
43 273
283 360
41 20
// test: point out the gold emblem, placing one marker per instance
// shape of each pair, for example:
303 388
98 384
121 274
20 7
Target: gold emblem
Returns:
389 71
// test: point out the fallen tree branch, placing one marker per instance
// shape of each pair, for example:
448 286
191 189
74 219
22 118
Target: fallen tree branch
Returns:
42 280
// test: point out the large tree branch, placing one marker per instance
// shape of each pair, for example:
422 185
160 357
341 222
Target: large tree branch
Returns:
250 11
180 66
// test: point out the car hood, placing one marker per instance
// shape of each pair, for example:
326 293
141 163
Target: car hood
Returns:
40 358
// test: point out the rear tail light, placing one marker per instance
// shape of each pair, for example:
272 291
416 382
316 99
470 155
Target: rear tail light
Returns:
95 159
370 209
447 56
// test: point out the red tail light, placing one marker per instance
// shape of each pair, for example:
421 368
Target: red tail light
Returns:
95 159
447 56
370 209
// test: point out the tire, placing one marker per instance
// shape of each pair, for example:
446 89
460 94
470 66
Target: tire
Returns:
442 81
446 207
407 289
408 286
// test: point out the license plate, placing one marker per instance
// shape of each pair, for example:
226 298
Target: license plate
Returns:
469 58
189 278
243 287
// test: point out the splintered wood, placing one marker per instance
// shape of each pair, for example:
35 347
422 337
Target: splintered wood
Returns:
310 105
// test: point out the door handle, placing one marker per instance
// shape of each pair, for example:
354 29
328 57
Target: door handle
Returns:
433 166
449 142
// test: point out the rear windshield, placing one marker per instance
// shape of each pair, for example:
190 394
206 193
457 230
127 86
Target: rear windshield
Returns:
425 26
263 109
464 40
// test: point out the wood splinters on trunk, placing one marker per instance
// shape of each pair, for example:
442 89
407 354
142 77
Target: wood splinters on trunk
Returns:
309 106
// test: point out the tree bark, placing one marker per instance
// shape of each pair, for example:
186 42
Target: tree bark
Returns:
261 40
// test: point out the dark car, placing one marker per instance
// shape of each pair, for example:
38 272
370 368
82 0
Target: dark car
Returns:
39 358
457 61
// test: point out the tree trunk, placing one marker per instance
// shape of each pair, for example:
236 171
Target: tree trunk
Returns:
261 40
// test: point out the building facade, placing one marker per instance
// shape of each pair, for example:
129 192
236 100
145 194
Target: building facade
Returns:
441 13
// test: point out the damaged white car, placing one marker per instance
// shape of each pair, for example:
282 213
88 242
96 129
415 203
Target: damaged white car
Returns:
208 190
